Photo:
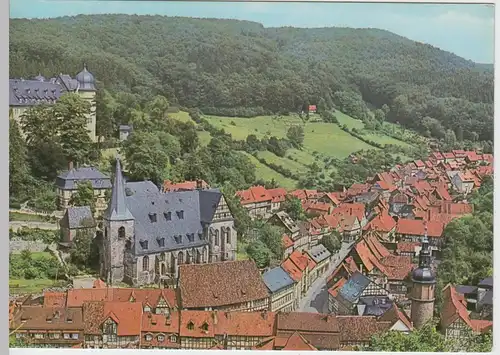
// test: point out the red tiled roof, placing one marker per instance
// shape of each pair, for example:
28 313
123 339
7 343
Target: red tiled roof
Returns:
336 287
459 153
254 324
287 241
406 247
437 155
394 314
419 163
308 322
196 324
160 323
417 227
383 223
215 279
292 269
449 155
473 156
278 194
127 315
385 186
350 209
255 194
302 260
318 206
334 197
297 342
360 328
186 185
54 299
453 309
99 284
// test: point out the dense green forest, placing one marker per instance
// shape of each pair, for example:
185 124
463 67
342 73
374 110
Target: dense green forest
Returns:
240 68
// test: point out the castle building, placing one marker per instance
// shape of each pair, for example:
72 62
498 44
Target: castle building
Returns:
148 234
24 94
422 293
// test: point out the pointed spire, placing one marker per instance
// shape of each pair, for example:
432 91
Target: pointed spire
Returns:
84 66
117 209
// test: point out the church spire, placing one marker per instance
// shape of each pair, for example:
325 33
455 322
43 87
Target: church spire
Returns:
117 209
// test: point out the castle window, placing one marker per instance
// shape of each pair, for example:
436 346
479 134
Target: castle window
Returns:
180 214
145 263
152 217
168 215
121 232
190 325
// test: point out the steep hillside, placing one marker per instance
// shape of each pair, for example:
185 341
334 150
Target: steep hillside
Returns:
240 68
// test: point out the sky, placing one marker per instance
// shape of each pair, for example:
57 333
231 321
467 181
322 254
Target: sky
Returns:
464 29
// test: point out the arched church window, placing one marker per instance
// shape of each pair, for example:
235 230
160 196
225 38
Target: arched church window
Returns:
145 263
180 258
121 232
217 238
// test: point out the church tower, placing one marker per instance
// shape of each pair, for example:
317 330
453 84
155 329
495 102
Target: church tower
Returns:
423 290
86 90
118 239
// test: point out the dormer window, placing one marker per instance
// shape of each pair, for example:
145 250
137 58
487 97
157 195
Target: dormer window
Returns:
190 237
204 326
147 309
190 325
168 216
161 242
178 239
69 319
144 244
152 217
161 338
180 214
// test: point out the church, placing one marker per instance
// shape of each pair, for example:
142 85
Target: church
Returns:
24 94
147 233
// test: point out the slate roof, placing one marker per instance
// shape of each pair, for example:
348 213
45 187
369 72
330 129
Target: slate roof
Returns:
74 217
166 220
319 253
465 289
487 282
287 221
487 298
276 279
32 92
353 288
69 179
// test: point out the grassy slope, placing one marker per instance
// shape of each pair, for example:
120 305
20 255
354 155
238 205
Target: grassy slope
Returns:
293 166
266 173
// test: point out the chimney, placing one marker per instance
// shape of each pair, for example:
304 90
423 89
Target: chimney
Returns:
70 165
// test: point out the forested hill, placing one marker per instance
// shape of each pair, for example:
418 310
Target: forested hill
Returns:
231 67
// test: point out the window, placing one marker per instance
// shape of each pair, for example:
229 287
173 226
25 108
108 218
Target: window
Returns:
39 336
145 263
161 337
148 337
180 214
152 217
147 309
54 335
66 336
216 238
161 242
121 232
190 325
168 215
180 258
173 338
204 326
106 232
144 244
74 336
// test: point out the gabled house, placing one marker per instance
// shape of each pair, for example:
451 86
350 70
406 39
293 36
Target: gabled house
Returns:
321 257
463 183
278 197
414 230
257 200
384 224
282 289
76 220
455 321
282 219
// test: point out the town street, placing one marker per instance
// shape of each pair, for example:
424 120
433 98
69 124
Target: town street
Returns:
316 298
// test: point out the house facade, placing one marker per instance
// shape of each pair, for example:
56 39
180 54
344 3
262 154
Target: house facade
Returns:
282 289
